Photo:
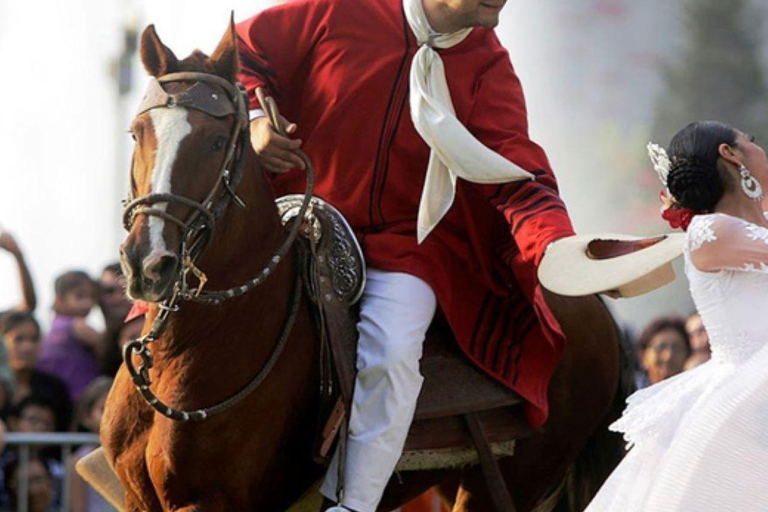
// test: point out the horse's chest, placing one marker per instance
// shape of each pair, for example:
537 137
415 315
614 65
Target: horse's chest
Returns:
186 464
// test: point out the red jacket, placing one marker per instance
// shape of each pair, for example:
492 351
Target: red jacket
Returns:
339 68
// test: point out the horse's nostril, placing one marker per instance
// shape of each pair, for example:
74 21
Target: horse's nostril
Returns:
168 265
158 266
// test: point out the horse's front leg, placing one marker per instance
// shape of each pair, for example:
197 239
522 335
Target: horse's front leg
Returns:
140 495
125 429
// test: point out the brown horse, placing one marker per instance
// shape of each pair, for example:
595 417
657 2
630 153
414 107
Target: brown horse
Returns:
258 454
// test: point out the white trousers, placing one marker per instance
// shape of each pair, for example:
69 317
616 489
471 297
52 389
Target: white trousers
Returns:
395 312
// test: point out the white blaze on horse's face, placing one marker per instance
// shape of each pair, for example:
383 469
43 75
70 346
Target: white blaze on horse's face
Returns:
170 126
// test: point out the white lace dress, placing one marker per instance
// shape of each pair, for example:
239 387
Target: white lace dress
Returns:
700 439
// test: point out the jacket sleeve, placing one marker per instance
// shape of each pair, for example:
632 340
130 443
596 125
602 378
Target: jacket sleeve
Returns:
275 45
533 208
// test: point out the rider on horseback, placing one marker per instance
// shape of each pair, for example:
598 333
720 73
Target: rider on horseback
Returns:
392 97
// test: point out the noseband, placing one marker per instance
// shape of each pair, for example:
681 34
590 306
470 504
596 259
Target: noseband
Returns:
197 230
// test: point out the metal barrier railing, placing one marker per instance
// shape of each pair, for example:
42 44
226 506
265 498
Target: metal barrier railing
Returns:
65 440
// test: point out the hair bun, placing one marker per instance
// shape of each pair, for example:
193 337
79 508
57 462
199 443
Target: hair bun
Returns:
695 184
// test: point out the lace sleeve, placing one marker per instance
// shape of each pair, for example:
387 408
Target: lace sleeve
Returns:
722 242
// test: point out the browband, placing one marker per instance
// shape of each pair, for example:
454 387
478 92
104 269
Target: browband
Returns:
199 96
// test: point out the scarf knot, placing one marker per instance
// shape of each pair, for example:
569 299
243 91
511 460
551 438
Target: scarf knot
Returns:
454 151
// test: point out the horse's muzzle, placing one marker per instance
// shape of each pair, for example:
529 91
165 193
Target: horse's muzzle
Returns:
150 278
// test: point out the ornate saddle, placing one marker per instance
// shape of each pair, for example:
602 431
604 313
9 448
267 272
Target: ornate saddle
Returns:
454 392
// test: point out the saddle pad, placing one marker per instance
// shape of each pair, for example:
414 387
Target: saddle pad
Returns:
95 469
452 384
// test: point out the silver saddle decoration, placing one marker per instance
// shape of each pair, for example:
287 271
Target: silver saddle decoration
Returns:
344 256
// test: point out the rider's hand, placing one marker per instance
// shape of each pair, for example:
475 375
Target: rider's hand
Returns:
276 153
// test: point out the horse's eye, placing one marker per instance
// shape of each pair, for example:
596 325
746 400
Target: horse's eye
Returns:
218 144
133 135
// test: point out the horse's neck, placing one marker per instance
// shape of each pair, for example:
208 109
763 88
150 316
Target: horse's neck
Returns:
244 328
245 238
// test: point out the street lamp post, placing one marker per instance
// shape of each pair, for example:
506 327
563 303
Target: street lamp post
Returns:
122 73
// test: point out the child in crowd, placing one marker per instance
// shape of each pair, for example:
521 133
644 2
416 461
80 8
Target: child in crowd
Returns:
20 334
37 415
41 485
72 349
88 418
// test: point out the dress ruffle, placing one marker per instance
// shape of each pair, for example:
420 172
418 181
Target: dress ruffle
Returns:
699 443
655 413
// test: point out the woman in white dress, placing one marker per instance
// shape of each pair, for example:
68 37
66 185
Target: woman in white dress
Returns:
699 441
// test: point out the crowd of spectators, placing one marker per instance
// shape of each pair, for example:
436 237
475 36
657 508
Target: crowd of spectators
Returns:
58 381
670 345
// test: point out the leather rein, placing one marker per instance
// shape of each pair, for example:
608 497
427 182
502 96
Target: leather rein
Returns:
197 231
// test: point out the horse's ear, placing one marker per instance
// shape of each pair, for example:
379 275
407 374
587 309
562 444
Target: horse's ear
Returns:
157 58
224 58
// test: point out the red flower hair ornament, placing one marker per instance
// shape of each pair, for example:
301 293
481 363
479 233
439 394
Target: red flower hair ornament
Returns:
676 216
671 211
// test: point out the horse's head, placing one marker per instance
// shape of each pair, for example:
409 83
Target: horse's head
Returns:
186 155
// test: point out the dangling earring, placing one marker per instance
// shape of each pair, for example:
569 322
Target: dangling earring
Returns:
750 185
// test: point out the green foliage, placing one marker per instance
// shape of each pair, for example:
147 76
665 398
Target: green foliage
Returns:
718 74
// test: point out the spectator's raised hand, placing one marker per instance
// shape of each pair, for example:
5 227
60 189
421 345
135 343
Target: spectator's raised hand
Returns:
8 243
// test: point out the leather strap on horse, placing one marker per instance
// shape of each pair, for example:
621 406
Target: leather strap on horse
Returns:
140 376
339 420
502 500
217 297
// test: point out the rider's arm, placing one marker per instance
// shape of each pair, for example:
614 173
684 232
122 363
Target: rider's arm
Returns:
274 47
274 44
533 208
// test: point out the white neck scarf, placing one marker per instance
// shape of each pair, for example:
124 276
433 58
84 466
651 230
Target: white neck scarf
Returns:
455 152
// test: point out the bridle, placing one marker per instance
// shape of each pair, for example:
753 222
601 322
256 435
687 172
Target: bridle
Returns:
197 231
205 96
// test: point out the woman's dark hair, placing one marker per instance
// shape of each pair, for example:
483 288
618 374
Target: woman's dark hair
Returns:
12 319
674 323
694 178
68 281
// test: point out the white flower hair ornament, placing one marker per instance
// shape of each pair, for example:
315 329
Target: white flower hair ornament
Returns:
660 160
670 210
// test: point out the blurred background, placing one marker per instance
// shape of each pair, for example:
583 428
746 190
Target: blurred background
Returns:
602 78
